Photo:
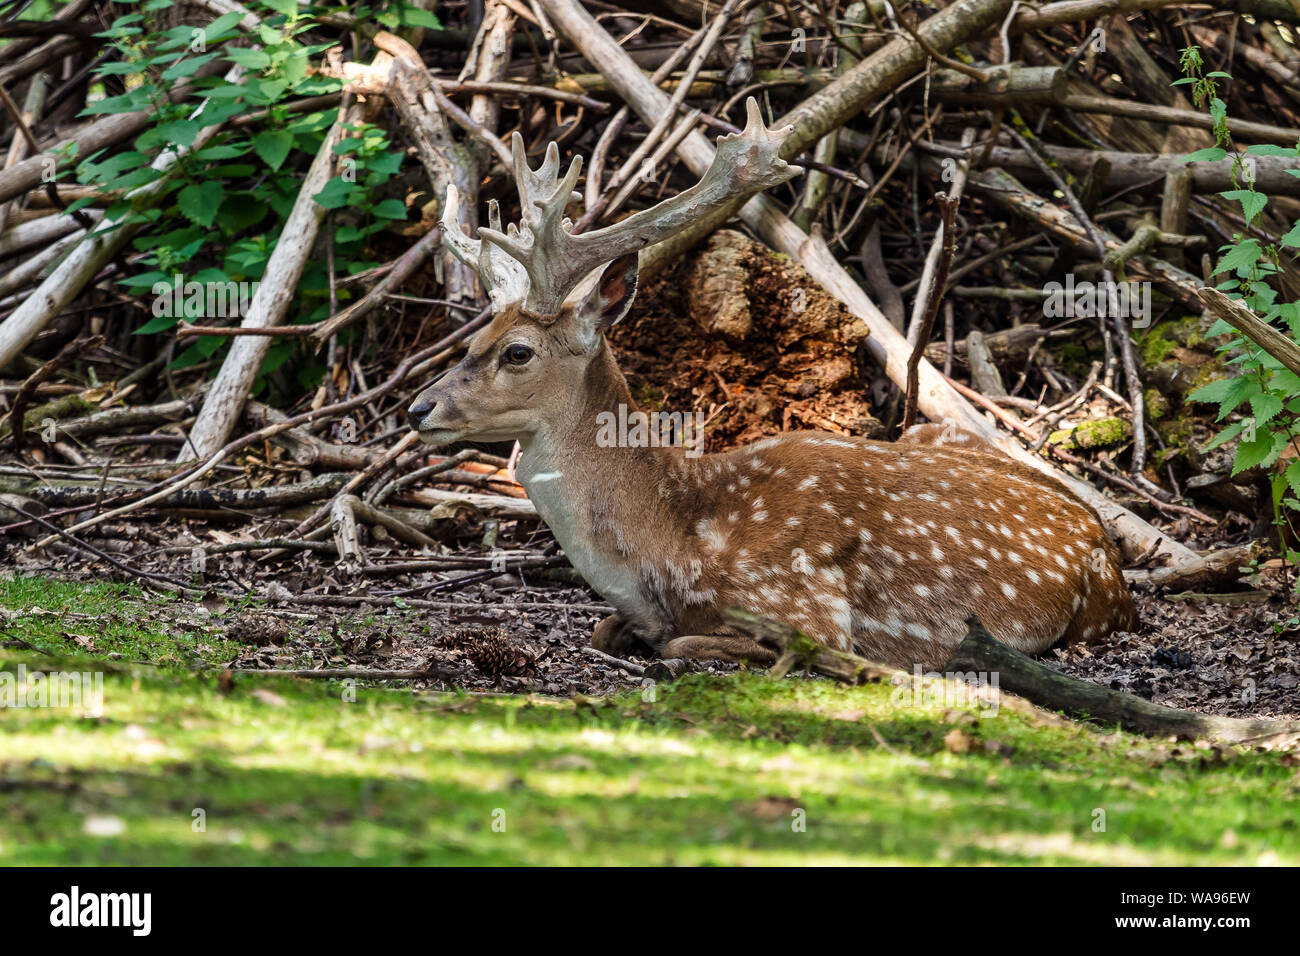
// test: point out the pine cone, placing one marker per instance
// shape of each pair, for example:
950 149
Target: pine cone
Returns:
497 657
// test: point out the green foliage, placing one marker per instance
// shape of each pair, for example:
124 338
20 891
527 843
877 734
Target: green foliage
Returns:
215 215
1264 396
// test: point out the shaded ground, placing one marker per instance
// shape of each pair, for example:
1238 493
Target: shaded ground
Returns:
1241 661
183 767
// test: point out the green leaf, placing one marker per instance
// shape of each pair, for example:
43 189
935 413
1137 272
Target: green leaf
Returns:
1262 451
186 67
248 58
1211 154
390 209
1292 476
273 147
159 323
223 151
1265 406
225 91
287 7
1228 392
1271 149
336 193
200 202
175 133
136 99
415 17
1240 257
1286 382
265 92
145 280
222 24
1252 203
385 164
117 69
240 211
114 165
1229 433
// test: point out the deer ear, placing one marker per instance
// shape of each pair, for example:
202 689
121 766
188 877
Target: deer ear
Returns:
609 301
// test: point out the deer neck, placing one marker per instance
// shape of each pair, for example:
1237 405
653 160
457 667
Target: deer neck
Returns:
602 500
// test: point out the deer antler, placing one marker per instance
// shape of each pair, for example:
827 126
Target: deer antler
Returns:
503 277
541 261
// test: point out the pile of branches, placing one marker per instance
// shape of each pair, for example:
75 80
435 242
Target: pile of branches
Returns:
965 153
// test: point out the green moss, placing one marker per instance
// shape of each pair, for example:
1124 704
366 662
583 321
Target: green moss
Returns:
1096 433
739 769
1158 343
1157 406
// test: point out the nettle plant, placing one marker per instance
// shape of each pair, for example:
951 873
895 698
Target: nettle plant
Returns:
1248 268
217 213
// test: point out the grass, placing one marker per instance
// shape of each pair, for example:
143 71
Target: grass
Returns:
742 769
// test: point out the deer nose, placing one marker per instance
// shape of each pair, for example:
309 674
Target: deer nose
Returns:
419 409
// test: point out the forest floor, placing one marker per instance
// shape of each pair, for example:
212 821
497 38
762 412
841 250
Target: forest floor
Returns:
187 764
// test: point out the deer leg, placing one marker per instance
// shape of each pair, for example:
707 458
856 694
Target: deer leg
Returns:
614 635
716 647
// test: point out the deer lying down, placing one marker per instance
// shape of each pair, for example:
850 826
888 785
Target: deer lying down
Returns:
878 548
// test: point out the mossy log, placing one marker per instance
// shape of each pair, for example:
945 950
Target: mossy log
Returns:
794 648
1039 684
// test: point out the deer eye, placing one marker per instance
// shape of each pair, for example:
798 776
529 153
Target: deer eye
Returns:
517 354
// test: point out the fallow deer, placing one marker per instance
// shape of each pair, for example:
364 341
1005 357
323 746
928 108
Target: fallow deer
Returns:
879 548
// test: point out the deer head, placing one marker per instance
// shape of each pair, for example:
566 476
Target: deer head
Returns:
530 364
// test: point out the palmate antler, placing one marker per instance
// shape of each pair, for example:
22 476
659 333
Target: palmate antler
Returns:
540 261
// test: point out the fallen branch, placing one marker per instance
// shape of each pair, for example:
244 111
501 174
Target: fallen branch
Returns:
1041 685
795 648
1253 327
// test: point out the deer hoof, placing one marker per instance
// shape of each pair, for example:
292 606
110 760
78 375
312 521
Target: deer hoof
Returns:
614 635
